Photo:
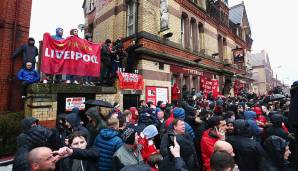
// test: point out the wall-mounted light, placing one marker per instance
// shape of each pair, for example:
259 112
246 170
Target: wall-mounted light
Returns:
168 35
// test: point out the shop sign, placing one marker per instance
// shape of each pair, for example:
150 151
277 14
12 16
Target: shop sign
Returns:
74 102
155 94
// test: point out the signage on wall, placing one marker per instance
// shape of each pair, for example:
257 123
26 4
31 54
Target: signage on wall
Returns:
130 81
208 86
238 55
155 94
74 102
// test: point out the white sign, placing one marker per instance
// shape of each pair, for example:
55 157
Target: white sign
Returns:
74 102
162 94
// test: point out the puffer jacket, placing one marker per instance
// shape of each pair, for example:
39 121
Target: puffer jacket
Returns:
28 75
26 125
251 117
108 142
208 140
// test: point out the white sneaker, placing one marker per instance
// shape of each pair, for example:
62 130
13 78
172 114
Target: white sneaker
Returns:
45 81
68 82
23 97
76 82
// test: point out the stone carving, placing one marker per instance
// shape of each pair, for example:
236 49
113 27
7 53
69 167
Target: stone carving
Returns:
164 15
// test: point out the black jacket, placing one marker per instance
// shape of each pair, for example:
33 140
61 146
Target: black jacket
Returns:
249 154
187 150
29 53
105 54
88 156
293 116
26 125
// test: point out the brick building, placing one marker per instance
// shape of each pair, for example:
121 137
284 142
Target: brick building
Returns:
14 31
183 40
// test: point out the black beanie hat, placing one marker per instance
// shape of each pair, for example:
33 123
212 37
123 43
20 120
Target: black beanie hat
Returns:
128 136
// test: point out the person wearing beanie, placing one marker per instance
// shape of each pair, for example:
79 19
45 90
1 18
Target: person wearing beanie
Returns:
179 113
129 153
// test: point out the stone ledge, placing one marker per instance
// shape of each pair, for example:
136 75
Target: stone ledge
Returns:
40 88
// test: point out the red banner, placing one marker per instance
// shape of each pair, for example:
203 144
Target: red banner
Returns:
130 81
209 86
71 56
238 86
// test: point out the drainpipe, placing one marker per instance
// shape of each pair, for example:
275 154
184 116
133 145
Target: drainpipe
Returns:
136 20
13 47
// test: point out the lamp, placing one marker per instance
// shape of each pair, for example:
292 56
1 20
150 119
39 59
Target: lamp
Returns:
168 35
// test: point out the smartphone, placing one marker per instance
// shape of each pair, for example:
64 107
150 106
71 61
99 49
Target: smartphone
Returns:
171 139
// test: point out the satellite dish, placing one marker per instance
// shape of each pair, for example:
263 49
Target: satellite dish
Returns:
81 27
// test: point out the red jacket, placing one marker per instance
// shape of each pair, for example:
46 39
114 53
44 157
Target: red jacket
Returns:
175 92
207 147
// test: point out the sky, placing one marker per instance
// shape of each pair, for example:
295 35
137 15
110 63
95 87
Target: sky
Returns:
273 24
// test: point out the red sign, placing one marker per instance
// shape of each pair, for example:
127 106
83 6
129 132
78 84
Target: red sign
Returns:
71 56
155 94
209 86
130 81
238 86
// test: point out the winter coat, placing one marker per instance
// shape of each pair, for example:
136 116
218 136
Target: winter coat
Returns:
251 116
108 142
138 167
125 157
175 92
100 123
87 157
26 126
275 148
249 154
105 54
29 53
146 148
293 117
187 150
131 55
57 36
276 128
173 164
75 122
29 76
208 140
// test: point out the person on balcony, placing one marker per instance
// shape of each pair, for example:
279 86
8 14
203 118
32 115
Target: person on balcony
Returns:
72 78
28 76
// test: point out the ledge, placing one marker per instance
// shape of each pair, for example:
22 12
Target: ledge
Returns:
40 88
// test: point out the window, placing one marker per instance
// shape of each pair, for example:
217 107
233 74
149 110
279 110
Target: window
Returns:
161 66
201 37
182 31
131 9
191 36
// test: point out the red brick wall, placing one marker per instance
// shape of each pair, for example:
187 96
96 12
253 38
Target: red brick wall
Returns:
10 90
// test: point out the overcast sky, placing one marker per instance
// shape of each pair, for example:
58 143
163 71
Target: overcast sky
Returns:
273 24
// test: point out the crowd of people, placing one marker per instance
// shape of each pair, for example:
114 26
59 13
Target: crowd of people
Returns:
201 133
112 60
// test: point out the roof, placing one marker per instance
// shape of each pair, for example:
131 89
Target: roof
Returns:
236 13
259 59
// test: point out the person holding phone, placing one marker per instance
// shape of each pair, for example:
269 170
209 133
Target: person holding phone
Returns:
210 137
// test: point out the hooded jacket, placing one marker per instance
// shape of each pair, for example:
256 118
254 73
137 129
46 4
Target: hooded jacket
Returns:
275 148
26 125
28 75
57 36
75 122
93 113
249 154
108 142
251 116
29 53
276 128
